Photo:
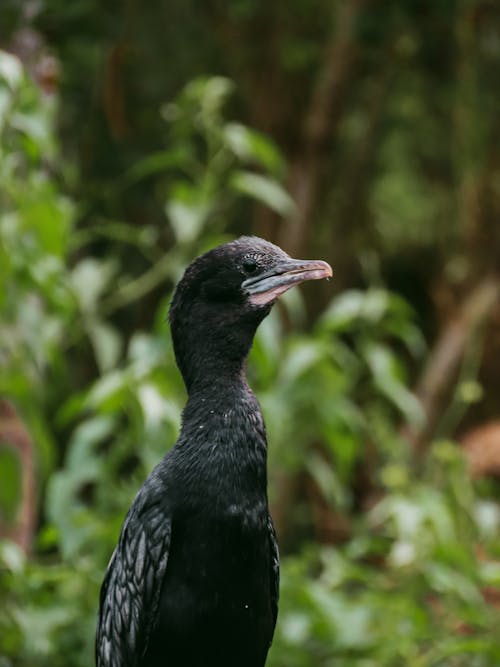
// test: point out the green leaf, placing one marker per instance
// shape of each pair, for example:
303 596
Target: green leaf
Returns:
10 482
327 480
405 513
302 356
187 210
200 103
12 557
89 280
265 190
386 376
34 126
343 311
156 408
252 146
448 580
11 69
212 93
108 391
86 435
156 163
107 344
49 217
295 628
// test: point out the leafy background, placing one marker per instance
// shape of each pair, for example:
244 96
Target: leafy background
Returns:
363 133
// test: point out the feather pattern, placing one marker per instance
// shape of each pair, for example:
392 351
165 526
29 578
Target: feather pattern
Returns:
131 589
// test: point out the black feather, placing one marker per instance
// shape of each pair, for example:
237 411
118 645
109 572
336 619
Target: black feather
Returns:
194 579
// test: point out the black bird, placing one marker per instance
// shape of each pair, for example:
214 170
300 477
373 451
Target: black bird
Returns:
194 579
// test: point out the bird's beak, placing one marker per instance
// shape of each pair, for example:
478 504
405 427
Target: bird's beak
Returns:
268 286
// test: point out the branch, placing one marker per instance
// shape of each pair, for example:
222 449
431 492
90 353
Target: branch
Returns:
320 125
13 434
434 387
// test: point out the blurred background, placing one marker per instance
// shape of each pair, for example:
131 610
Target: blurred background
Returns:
133 137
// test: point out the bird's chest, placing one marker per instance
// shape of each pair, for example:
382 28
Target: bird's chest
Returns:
222 547
222 519
217 586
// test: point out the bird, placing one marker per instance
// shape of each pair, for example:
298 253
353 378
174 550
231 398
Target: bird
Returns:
194 578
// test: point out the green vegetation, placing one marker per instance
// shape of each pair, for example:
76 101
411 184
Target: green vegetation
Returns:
390 551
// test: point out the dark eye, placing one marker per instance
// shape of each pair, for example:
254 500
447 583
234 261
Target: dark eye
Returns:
249 265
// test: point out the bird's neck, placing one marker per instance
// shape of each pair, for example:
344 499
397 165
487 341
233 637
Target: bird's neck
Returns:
225 377
227 406
214 362
213 348
222 383
224 430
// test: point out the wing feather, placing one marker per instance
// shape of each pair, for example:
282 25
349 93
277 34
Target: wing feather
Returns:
131 588
275 569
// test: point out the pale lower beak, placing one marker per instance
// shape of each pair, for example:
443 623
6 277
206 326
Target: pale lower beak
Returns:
268 286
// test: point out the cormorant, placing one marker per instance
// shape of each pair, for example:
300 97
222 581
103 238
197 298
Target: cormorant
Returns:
194 579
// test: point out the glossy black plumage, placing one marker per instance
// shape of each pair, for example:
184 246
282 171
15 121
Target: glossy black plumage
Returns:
194 579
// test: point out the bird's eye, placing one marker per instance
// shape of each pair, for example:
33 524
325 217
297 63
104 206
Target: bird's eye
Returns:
250 265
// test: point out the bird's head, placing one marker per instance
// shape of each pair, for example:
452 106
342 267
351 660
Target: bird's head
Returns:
224 295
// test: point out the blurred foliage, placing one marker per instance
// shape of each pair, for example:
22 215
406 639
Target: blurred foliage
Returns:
92 373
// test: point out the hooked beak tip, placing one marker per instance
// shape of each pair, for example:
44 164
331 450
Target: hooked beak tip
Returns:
324 269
